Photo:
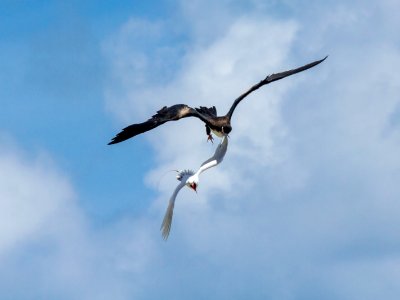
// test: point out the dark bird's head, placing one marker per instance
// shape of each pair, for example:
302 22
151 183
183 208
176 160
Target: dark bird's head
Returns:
226 129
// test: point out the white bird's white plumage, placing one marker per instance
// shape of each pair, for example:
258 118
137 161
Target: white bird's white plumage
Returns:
167 221
212 161
188 178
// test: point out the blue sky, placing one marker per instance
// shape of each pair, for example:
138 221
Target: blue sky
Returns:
305 204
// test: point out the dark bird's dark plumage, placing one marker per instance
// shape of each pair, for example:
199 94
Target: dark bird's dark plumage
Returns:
219 125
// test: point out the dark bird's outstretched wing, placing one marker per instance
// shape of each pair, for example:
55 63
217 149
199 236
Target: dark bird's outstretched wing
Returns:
210 112
269 79
172 113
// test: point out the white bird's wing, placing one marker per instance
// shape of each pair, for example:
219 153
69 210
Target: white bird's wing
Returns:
216 158
167 221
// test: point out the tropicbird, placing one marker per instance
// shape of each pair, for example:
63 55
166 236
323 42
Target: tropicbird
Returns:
191 180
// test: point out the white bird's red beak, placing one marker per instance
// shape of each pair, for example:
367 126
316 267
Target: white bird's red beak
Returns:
193 186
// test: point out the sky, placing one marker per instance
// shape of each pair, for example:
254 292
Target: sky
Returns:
305 204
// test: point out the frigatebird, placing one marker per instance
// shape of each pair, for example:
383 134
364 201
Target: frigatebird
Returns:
191 180
219 125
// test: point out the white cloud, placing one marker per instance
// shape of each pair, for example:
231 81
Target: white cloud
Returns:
48 249
39 222
305 203
31 194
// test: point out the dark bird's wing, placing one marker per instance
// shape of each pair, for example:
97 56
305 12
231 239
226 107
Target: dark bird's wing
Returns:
269 79
172 113
210 112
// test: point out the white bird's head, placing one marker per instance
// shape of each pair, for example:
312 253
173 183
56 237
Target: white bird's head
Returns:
190 178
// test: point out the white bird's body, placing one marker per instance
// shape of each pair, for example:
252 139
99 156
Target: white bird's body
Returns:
191 180
217 158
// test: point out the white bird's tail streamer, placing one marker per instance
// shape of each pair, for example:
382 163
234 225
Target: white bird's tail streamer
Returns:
167 221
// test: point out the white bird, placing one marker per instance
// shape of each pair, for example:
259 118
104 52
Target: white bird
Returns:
191 180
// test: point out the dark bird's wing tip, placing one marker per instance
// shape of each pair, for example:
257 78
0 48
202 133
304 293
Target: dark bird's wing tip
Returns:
317 62
114 140
118 139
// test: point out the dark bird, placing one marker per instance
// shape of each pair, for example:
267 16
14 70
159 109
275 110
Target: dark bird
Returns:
219 125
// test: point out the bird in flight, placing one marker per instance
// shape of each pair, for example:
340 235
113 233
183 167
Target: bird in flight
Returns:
219 125
190 179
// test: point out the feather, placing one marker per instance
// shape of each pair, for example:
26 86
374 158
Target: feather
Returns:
269 79
165 114
188 176
167 221
220 125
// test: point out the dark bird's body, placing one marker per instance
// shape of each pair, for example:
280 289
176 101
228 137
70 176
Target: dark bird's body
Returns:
220 125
